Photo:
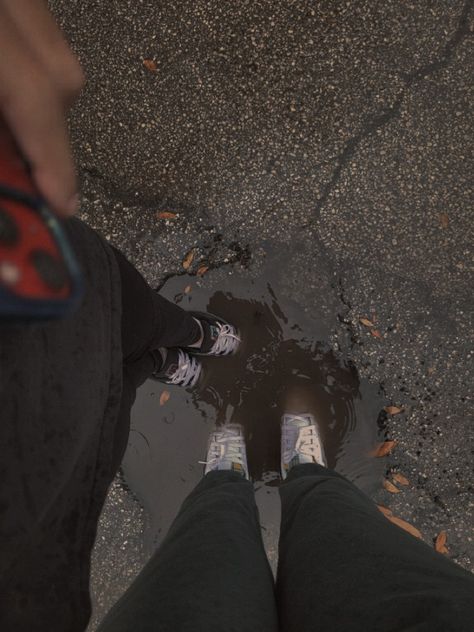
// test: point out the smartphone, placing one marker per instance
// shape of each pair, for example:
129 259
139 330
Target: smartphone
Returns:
39 275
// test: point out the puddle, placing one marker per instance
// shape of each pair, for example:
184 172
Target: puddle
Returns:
282 354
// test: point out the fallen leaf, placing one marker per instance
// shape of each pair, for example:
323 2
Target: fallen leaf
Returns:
366 322
188 259
202 270
384 448
187 289
385 510
393 410
444 220
375 333
390 487
399 478
440 542
164 397
405 525
150 65
166 215
431 370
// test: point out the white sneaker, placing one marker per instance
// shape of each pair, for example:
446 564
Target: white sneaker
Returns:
300 442
226 451
176 367
219 338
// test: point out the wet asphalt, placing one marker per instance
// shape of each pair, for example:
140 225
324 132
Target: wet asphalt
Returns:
337 135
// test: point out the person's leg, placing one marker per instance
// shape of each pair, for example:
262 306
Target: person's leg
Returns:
149 320
210 573
344 566
164 335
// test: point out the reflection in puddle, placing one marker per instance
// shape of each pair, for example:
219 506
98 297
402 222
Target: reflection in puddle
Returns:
277 356
280 352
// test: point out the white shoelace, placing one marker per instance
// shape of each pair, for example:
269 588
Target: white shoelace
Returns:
188 370
227 340
307 443
228 447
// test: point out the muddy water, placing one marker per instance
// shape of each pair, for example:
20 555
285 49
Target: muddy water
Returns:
282 355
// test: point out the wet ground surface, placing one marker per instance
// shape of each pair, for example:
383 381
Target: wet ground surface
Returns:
335 134
282 349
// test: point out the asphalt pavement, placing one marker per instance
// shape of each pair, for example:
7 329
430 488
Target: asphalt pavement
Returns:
336 136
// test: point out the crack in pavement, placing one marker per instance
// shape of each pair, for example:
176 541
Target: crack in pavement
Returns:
459 34
241 255
387 114
373 123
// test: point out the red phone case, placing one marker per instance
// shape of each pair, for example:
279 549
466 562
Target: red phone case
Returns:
39 276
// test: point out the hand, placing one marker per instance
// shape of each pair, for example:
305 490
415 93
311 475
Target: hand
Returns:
40 78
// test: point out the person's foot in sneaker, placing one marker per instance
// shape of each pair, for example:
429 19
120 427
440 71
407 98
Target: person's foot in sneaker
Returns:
218 337
226 451
175 366
300 442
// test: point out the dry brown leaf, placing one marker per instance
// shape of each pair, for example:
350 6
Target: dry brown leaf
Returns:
384 448
385 510
393 410
405 525
375 333
390 487
187 289
440 542
441 538
166 215
444 220
366 322
188 259
164 397
202 270
150 65
399 478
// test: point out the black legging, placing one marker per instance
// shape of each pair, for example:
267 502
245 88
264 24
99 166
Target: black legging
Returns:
149 321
